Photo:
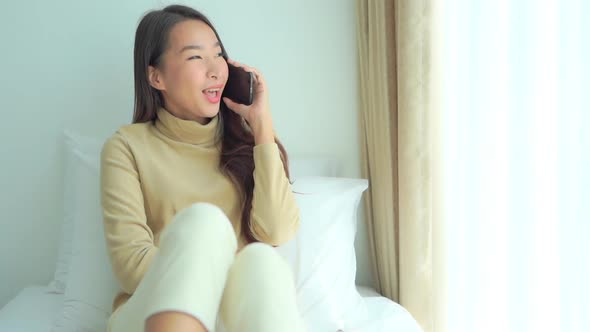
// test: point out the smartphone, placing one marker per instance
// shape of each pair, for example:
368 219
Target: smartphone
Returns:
239 86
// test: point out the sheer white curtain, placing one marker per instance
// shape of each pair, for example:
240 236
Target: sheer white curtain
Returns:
516 150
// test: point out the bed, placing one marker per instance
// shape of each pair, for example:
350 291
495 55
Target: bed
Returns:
35 308
322 257
32 310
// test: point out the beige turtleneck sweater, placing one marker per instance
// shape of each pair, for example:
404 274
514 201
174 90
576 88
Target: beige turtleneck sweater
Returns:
150 171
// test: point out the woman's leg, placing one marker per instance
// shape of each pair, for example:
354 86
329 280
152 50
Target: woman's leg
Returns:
185 282
260 293
173 321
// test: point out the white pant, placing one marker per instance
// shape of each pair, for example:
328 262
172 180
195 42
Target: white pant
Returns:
197 272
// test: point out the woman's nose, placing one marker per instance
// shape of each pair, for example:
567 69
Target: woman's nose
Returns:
213 72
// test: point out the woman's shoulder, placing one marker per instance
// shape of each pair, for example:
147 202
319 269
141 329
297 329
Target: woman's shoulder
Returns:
129 136
135 130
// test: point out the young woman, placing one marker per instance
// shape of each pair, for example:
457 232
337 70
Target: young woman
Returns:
195 193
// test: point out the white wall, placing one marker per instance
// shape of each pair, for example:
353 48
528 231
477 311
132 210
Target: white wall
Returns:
68 64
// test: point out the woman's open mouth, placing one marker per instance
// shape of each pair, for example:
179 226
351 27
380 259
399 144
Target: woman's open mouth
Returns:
213 95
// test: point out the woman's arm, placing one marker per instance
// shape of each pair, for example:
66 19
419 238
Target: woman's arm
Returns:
274 218
130 242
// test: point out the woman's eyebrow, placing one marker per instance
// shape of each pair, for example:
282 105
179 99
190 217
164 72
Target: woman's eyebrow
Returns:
196 47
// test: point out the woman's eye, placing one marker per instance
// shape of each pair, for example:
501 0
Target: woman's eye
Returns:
195 57
220 54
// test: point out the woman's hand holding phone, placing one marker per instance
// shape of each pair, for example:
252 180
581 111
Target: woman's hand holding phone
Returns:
258 113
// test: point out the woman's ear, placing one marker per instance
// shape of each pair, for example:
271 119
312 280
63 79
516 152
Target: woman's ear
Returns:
155 78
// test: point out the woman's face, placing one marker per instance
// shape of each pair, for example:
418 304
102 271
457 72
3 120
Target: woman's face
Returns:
193 72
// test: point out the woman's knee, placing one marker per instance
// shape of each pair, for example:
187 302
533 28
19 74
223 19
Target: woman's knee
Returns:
261 265
259 281
197 223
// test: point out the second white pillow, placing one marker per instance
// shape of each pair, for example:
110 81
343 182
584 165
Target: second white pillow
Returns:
322 254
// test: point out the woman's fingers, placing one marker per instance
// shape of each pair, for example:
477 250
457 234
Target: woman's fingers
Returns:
238 108
259 107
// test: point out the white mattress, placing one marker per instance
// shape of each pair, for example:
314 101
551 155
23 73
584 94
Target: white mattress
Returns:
34 309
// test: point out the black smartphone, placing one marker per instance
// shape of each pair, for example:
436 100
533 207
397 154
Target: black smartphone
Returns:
239 86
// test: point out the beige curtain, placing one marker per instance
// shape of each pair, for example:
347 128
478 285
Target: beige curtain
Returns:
397 136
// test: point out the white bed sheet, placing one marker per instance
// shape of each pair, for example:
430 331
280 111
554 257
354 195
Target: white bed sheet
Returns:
384 315
35 308
32 310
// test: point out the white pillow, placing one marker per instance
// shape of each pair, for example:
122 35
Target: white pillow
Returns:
91 285
88 148
76 147
322 254
328 212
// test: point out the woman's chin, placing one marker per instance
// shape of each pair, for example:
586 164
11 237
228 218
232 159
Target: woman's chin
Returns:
211 113
208 111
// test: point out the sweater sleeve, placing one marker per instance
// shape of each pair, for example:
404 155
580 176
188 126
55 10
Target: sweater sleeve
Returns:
274 218
130 242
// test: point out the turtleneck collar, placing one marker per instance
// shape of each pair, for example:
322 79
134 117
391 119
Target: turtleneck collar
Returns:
186 131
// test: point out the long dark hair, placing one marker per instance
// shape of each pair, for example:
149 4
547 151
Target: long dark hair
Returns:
234 134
